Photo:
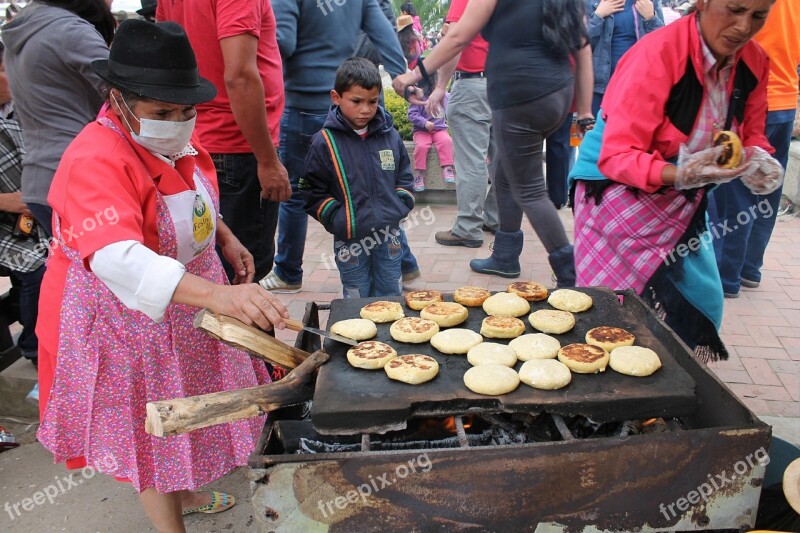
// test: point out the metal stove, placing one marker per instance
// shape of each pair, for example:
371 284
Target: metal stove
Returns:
676 451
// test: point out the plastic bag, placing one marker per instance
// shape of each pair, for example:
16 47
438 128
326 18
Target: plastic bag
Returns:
762 173
699 169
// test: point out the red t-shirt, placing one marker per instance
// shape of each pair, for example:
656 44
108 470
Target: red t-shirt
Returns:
207 22
473 57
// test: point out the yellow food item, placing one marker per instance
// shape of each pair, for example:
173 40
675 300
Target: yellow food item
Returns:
732 156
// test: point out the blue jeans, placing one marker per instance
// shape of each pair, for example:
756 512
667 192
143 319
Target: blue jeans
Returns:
370 268
251 219
28 284
298 126
740 253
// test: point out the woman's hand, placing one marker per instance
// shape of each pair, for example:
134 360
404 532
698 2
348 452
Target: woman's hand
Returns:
761 173
701 168
645 9
249 303
609 7
404 83
585 122
236 254
433 106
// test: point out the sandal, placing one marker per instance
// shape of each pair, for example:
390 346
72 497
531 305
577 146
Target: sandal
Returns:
220 502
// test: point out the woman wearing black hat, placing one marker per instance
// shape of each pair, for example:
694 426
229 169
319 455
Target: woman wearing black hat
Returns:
135 204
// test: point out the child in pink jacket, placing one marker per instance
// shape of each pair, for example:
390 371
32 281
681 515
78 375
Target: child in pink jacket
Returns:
428 131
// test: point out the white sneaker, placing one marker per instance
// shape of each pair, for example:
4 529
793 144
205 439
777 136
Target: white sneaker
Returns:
33 395
273 283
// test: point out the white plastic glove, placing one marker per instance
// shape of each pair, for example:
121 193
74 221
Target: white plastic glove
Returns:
762 173
700 168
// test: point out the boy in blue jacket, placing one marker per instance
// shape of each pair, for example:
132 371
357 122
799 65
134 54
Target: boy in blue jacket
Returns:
357 183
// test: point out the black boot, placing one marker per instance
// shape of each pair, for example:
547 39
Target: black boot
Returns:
505 256
562 261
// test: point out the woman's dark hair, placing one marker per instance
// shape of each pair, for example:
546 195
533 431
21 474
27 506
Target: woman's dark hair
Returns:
564 25
409 8
408 38
96 12
357 71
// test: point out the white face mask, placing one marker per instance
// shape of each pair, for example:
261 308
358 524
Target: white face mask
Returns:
163 137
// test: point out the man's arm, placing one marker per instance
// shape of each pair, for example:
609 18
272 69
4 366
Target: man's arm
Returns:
287 12
383 36
246 92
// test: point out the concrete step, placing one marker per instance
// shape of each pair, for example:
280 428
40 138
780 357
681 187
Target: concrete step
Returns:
436 190
791 183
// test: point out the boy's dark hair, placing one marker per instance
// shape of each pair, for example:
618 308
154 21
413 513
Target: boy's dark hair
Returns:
357 71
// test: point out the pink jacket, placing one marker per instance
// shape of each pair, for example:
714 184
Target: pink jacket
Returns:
652 102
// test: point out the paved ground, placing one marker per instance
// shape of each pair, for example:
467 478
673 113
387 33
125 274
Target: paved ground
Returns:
760 329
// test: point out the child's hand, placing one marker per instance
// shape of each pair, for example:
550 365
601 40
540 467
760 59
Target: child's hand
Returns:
429 126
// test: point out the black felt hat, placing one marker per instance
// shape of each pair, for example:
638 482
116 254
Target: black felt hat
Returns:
148 8
155 60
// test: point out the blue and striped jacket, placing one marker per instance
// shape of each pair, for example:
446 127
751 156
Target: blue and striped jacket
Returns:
357 186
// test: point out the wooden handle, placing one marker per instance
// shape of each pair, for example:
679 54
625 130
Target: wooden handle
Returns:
292 324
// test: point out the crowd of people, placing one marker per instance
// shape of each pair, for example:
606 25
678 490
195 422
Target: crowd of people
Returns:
172 165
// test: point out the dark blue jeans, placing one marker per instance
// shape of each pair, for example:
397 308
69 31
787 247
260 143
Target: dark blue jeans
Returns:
370 268
28 283
740 253
298 126
251 219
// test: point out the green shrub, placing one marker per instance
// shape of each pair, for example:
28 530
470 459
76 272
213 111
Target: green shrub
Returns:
398 108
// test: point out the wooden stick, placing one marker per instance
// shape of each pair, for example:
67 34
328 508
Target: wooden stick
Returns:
181 415
239 335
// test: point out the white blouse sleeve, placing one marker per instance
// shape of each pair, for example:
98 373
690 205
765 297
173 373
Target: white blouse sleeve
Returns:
142 279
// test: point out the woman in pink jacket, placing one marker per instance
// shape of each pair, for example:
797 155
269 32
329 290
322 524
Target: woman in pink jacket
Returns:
644 172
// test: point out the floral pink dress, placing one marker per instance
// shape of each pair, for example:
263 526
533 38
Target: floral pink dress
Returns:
113 360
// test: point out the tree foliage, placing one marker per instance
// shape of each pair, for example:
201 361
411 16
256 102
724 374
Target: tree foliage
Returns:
431 12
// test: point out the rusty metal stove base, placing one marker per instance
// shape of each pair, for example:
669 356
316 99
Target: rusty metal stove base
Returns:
640 483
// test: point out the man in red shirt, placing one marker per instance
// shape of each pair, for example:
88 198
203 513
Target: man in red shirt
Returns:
470 121
236 48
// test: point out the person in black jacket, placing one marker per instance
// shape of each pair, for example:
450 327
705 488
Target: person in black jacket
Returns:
357 183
